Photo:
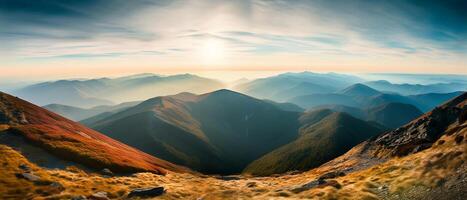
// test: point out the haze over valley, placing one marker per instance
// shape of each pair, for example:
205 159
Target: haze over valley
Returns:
247 99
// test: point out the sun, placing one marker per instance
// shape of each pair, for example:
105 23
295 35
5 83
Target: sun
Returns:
212 51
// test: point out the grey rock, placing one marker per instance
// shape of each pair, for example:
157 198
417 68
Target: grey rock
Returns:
147 192
28 176
251 184
24 167
333 174
307 186
99 196
107 172
80 197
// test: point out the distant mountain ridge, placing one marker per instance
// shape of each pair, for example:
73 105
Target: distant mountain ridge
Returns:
390 115
78 114
106 91
416 89
288 85
361 95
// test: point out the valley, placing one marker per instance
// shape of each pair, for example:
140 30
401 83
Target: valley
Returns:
368 171
227 145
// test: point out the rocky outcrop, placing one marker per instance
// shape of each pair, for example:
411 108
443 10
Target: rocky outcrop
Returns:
421 133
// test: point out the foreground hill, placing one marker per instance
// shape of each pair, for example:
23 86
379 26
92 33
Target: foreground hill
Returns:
324 135
32 129
218 132
105 91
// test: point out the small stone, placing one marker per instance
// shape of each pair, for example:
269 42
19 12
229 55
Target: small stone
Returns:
294 172
107 172
251 184
99 196
459 139
332 183
56 185
147 192
28 176
80 197
24 167
229 178
307 186
331 175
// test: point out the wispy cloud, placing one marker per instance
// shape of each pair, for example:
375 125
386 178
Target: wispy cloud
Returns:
251 31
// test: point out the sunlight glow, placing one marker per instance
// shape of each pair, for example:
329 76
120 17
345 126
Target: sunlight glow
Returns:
212 52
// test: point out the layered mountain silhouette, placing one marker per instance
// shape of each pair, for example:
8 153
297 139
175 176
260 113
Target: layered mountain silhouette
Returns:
77 114
224 131
324 135
390 115
363 96
415 89
54 139
106 91
288 85
218 132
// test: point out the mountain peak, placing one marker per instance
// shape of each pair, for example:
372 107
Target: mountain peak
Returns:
359 90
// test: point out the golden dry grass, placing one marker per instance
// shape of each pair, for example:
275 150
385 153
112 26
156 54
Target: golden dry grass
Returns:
428 168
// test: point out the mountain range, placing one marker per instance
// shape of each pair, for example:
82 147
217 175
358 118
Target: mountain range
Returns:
107 91
78 114
363 96
213 132
216 132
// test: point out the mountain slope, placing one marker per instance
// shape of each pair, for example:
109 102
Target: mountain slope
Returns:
318 143
418 135
393 115
27 125
390 115
217 132
359 90
431 100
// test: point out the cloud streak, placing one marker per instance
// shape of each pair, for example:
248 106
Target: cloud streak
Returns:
312 32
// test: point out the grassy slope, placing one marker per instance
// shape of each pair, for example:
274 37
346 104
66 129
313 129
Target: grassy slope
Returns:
318 143
72 141
217 132
439 172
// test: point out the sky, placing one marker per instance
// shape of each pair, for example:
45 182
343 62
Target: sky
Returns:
92 38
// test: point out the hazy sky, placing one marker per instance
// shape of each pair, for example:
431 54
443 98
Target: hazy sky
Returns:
58 38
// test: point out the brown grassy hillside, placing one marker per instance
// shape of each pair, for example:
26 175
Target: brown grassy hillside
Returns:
435 172
72 141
